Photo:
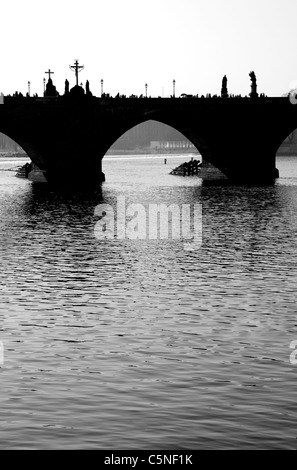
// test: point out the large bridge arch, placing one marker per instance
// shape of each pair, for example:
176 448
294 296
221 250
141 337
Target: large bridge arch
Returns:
15 138
288 146
157 134
8 144
286 133
28 141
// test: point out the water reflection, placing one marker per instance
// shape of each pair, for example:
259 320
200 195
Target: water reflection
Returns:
140 344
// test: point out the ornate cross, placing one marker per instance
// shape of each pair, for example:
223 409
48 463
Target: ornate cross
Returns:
49 73
76 68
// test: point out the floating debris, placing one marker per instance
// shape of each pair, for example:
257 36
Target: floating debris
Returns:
188 168
23 171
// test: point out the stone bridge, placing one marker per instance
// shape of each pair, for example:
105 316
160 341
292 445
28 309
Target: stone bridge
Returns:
68 136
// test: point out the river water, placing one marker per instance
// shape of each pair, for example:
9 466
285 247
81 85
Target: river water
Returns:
141 344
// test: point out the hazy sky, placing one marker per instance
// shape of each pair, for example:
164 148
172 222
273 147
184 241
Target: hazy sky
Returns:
132 42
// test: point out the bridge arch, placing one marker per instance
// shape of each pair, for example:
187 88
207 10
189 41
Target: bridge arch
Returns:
156 134
288 146
26 147
8 140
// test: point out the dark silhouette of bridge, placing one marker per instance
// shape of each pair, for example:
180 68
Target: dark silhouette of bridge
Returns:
67 136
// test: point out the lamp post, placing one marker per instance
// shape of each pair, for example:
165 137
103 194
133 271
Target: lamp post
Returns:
29 88
145 90
173 88
101 86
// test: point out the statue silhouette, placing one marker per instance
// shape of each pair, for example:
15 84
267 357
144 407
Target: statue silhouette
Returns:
224 90
88 93
253 93
50 90
253 78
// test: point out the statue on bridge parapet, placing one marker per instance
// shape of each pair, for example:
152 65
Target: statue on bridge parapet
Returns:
66 87
224 90
253 93
88 92
50 90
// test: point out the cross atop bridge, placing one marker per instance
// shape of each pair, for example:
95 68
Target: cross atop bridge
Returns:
49 73
76 68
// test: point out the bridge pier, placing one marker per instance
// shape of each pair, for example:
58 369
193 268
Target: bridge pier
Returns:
244 161
256 175
36 175
67 165
81 175
67 177
252 169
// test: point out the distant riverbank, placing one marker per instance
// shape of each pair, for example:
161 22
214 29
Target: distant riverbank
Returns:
9 154
138 152
148 150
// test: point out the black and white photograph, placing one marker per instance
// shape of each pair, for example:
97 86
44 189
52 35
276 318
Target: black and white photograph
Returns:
148 227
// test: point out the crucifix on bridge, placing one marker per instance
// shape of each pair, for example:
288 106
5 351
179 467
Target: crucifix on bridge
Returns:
76 68
49 73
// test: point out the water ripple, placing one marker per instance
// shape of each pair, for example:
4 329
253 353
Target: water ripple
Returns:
139 344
